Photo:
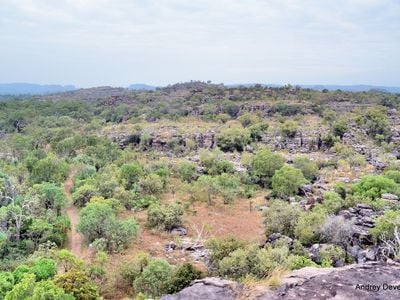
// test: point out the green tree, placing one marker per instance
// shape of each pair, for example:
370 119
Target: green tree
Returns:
44 268
6 283
281 217
287 181
233 138
264 165
49 169
308 167
78 284
182 277
130 174
153 281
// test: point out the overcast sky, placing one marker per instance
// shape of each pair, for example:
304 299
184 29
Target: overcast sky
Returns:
119 42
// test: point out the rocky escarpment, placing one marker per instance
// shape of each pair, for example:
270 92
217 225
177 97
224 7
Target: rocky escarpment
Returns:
373 280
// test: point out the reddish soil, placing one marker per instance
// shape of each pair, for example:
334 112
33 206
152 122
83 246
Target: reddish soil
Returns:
75 242
212 221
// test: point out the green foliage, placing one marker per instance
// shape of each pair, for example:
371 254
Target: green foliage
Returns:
152 184
264 165
307 229
258 130
287 181
186 171
296 262
330 254
132 269
6 283
47 290
130 174
49 169
233 138
332 202
98 222
289 129
373 186
154 279
83 194
51 196
44 268
339 128
308 167
392 174
77 284
182 276
165 217
376 122
281 217
386 225
221 248
227 186
23 289
20 271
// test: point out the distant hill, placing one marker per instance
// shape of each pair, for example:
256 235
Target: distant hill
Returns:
354 88
33 89
331 87
141 87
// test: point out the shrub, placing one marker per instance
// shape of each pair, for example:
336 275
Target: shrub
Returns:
392 174
48 290
186 171
268 259
49 169
264 165
6 283
337 230
153 281
20 271
257 131
227 186
182 277
372 186
152 184
287 181
165 217
221 248
98 222
308 167
23 289
289 129
281 217
233 138
131 270
339 128
78 284
385 225
238 263
130 174
83 194
329 254
307 229
44 268
332 202
296 262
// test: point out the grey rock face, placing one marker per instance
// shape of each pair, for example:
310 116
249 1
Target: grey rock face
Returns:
348 282
208 288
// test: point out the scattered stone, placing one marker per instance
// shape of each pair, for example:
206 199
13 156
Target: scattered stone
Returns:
179 231
388 196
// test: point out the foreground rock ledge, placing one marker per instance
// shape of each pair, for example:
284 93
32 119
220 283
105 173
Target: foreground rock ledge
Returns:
308 283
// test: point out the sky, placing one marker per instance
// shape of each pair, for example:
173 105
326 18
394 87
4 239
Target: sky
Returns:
159 42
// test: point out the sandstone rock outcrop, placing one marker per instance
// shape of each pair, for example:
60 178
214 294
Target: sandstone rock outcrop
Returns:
367 281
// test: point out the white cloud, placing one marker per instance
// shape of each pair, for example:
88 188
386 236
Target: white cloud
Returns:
91 42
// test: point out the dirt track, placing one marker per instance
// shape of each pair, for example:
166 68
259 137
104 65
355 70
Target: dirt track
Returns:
75 242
